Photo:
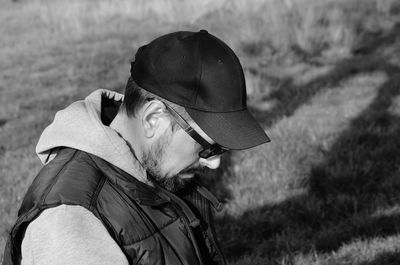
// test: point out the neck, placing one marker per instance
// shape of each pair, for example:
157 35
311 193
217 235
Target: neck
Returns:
126 128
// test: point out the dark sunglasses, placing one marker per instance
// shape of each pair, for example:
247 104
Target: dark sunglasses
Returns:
209 150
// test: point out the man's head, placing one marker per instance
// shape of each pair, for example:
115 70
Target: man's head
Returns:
187 97
168 153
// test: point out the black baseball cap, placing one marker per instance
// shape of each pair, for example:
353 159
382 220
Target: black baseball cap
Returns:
199 72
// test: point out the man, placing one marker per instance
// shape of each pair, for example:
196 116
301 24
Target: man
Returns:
117 186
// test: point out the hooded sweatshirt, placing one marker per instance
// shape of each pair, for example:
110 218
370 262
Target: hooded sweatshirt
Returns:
72 234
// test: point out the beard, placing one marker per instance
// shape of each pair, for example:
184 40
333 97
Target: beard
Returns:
152 163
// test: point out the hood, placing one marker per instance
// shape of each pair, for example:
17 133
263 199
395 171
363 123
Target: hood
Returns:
79 126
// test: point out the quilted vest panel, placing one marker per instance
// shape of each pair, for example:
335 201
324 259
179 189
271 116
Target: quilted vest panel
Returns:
151 226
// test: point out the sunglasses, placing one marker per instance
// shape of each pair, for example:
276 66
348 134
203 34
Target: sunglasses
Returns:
209 150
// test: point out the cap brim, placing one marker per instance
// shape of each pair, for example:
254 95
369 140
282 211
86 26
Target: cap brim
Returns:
234 130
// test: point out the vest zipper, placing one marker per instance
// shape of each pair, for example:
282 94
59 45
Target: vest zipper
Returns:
188 217
218 206
191 235
210 233
218 250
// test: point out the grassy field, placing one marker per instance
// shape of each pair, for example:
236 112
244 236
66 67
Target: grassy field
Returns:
323 79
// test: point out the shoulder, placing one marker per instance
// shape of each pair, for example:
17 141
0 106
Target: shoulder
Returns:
70 178
69 235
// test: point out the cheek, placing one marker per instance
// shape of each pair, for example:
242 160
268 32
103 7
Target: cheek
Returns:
181 152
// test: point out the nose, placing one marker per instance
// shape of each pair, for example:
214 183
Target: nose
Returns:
211 162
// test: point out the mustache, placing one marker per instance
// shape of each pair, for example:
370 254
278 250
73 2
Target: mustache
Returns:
194 170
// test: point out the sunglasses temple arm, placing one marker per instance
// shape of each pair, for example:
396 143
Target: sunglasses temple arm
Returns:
186 127
197 137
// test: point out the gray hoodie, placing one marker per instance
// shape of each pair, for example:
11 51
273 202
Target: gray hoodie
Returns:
72 234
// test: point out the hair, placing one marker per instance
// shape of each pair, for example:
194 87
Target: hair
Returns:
135 97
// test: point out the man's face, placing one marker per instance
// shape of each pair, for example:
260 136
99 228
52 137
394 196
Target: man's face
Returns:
173 159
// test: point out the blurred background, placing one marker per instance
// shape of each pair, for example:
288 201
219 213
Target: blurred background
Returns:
323 79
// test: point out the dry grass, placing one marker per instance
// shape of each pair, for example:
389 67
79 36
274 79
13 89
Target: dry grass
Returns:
322 79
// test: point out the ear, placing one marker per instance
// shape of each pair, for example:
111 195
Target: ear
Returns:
153 117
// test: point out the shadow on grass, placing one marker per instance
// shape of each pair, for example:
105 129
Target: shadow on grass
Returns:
291 97
358 178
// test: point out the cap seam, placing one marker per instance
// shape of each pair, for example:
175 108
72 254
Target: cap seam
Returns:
237 64
199 71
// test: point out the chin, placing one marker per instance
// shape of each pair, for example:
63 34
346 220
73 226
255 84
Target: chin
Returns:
174 184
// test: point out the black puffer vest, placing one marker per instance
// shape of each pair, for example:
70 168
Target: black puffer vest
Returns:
151 225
